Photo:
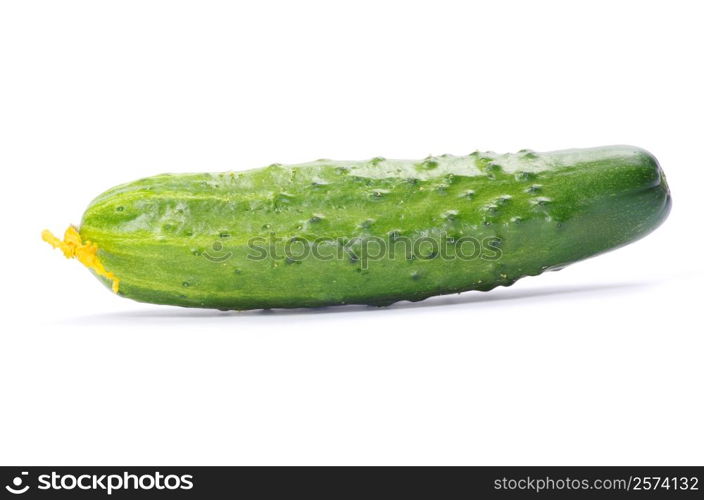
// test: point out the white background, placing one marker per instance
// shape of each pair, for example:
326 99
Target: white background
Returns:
598 364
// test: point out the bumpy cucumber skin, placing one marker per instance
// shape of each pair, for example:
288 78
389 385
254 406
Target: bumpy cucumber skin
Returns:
185 239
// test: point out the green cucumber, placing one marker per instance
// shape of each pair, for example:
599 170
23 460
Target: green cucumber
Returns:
367 232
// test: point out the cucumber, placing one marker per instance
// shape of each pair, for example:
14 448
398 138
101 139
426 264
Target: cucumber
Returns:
367 232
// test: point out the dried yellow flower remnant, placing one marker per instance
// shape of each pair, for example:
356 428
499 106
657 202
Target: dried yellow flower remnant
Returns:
87 253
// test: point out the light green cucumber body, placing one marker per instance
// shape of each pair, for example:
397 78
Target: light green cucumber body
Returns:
370 232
